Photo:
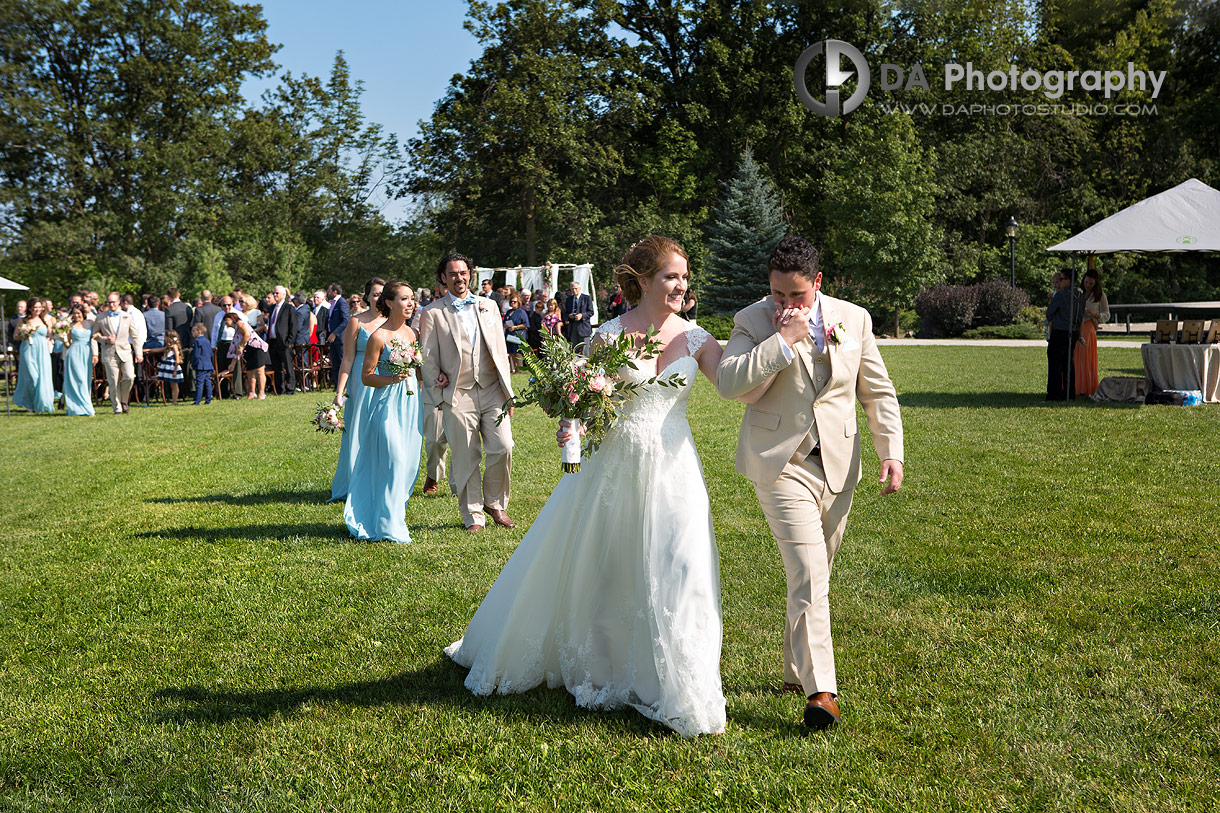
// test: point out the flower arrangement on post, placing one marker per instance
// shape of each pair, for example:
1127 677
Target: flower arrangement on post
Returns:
577 390
405 357
328 418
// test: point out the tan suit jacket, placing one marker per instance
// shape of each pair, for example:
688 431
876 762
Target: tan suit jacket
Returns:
127 336
783 402
441 333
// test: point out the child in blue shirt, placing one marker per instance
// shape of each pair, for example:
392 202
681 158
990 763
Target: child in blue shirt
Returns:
201 362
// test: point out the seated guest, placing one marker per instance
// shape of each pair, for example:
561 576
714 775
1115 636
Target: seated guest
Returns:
154 322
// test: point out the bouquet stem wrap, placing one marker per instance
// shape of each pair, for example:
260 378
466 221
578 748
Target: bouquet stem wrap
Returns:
570 452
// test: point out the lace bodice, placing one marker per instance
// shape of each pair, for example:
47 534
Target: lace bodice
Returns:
658 412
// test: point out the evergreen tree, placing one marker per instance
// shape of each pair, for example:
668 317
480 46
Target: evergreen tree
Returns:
747 223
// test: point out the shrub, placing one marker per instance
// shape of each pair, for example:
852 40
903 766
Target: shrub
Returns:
999 304
1018 331
948 309
1033 316
720 325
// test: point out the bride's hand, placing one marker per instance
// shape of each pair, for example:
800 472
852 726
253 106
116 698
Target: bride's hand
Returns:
563 435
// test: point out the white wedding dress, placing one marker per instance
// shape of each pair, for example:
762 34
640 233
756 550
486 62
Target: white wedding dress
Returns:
614 593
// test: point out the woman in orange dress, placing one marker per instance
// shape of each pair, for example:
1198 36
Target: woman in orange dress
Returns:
1084 355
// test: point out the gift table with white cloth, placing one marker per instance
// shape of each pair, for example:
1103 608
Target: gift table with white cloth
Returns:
1184 367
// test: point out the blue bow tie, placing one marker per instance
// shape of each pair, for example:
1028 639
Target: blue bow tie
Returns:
462 303
113 313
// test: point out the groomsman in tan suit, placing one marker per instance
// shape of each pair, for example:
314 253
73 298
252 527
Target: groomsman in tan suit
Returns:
466 371
116 339
799 360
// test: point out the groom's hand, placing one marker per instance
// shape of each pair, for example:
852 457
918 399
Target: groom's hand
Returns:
792 324
891 470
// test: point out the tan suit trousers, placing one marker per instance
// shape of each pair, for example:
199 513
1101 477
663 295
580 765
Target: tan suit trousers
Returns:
470 420
120 374
807 520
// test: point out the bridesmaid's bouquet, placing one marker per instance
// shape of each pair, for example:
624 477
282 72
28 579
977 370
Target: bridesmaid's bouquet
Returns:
62 327
576 389
404 358
24 331
328 418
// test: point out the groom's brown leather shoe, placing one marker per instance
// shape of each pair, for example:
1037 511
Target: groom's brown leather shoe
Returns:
794 688
474 529
500 517
430 486
821 711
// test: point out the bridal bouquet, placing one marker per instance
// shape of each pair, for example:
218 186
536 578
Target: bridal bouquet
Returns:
328 418
25 330
576 389
404 358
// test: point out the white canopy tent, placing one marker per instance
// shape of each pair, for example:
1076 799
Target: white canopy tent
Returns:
546 277
1185 218
7 285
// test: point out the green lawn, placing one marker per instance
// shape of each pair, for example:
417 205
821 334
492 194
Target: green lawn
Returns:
1033 622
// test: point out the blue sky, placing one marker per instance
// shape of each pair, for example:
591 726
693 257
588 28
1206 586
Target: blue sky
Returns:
405 53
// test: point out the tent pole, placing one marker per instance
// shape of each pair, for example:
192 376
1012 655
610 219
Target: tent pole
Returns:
1069 388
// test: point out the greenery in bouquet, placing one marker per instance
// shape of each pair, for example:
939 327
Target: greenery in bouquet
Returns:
566 384
328 418
405 357
63 327
25 330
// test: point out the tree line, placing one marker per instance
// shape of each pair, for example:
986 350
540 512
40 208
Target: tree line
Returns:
129 154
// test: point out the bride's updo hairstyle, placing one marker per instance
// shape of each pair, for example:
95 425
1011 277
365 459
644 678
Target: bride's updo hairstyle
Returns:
390 291
643 261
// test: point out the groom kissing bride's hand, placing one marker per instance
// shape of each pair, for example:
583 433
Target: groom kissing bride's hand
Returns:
800 360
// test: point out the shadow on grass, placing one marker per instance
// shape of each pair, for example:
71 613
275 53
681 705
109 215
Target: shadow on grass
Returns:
312 531
260 498
439 683
995 400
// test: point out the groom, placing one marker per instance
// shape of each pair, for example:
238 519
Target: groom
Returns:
465 371
799 360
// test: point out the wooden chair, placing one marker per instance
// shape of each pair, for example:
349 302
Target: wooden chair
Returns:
227 375
1213 335
1166 331
1192 332
149 367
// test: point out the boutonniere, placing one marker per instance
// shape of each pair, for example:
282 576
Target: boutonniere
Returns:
836 333
482 308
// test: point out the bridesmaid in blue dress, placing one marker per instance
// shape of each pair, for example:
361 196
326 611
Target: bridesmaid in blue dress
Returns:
387 464
78 365
34 390
350 392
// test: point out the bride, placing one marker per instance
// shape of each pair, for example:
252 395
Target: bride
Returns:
614 593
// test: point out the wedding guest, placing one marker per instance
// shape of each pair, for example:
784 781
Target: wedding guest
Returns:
57 347
137 317
533 336
178 316
116 344
1096 312
350 392
13 322
154 323
617 305
413 316
201 361
281 337
1064 313
387 464
486 290
516 323
78 364
356 304
552 322
577 315
336 326
690 306
169 368
227 334
35 391
256 356
208 314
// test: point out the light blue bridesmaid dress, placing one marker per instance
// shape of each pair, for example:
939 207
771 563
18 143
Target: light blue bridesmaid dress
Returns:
387 464
358 397
78 373
34 390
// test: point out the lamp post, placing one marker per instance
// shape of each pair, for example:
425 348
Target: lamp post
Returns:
1010 228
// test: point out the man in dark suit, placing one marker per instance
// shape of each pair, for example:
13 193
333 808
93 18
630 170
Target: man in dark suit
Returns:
281 336
336 324
178 318
577 314
209 314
